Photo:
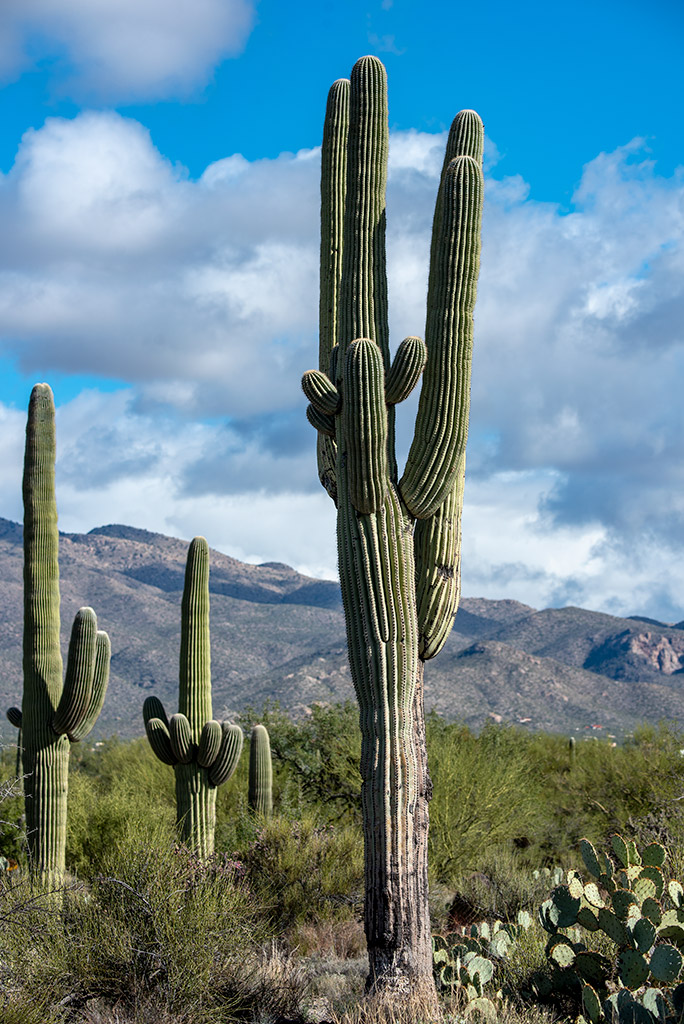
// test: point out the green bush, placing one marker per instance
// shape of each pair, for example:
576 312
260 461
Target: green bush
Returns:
156 928
304 871
485 794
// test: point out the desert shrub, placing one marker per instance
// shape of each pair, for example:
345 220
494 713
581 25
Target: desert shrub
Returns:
484 795
115 792
156 926
12 823
604 787
304 871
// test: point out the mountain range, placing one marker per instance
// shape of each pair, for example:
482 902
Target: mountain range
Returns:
279 635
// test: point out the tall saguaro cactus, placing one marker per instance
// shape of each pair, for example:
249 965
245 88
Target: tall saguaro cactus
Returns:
398 540
53 715
204 752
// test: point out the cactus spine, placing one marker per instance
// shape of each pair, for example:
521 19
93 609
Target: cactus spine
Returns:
260 795
53 714
400 578
204 752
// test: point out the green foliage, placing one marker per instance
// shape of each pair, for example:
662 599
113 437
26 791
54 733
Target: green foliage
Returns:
316 759
304 871
157 929
485 795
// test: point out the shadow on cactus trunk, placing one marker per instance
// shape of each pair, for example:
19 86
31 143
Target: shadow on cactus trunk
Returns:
398 540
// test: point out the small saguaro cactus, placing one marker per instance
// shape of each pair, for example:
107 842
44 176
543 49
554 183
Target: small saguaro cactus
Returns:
204 752
53 714
398 539
260 795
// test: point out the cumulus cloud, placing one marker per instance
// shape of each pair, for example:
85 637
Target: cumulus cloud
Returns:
203 294
124 49
114 263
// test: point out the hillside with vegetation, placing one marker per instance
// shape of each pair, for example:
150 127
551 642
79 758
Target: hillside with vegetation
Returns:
278 635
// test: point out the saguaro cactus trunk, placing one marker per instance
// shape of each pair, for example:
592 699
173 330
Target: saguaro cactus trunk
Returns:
398 541
52 715
204 752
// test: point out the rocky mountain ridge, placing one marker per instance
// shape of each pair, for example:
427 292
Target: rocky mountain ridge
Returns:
278 635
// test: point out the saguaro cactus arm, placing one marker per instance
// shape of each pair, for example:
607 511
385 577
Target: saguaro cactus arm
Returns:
228 755
333 187
442 420
103 654
87 676
407 366
364 418
78 684
14 717
160 741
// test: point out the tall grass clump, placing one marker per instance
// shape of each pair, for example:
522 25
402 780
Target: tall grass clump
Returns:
157 932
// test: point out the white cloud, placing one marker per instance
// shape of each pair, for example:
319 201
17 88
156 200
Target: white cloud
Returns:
117 465
124 49
114 262
203 294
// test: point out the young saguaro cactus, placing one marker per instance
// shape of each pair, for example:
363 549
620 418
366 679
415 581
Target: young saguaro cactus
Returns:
398 539
53 715
260 794
204 752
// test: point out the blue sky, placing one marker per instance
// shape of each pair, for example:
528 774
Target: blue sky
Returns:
159 170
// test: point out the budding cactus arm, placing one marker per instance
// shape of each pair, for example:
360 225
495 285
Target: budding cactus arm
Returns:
407 366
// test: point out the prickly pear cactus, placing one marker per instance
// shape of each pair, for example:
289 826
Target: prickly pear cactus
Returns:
627 900
53 713
398 539
465 965
204 753
260 794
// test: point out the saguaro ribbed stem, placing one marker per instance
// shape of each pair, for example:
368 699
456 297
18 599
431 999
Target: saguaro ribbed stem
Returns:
260 795
52 713
400 585
203 752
